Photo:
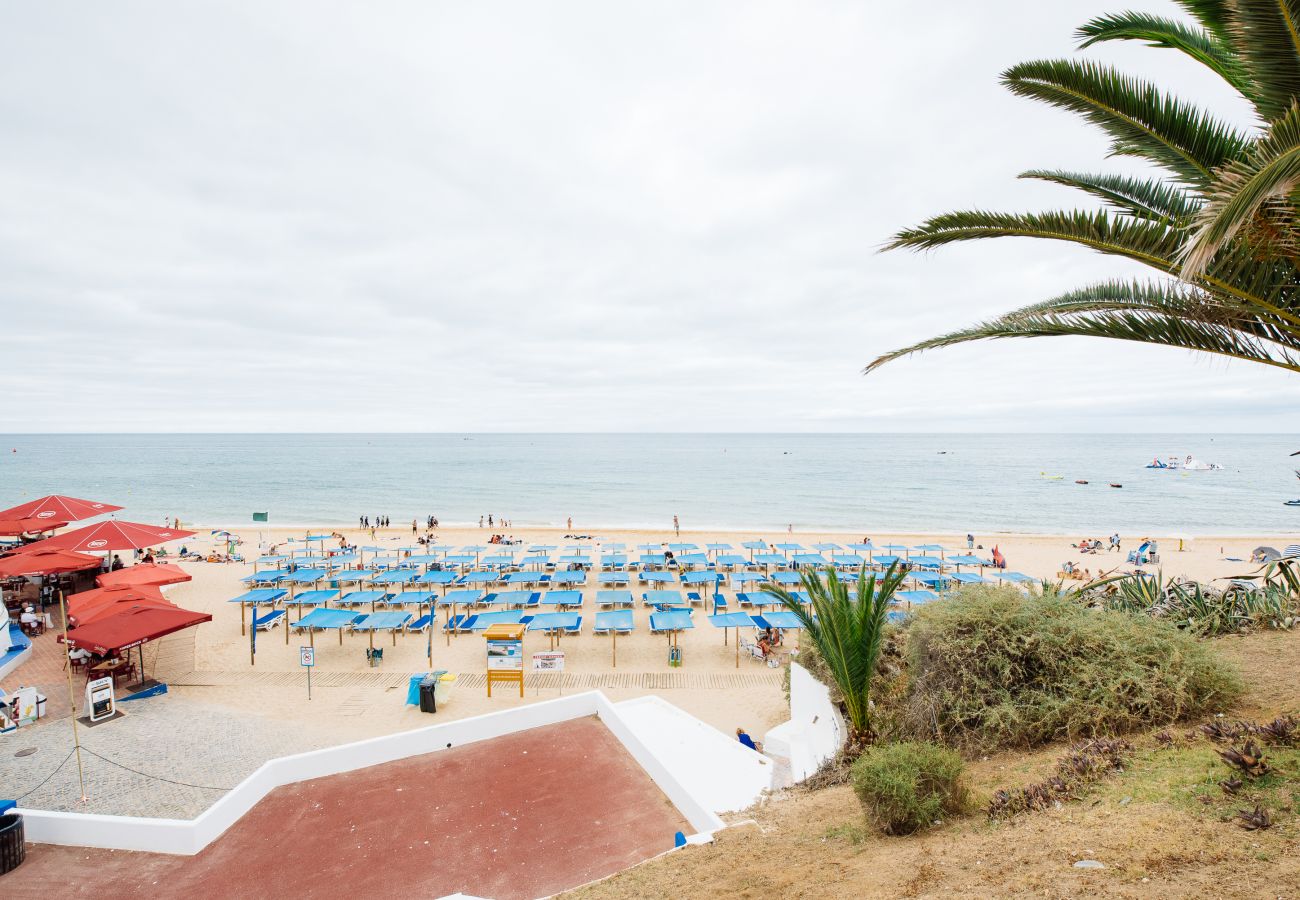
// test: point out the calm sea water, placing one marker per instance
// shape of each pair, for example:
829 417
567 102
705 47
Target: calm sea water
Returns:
855 483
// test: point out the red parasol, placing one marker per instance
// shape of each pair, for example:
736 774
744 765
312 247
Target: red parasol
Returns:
56 507
133 627
144 574
11 527
117 608
46 561
86 601
112 535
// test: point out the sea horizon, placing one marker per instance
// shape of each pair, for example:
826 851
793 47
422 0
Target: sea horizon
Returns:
935 483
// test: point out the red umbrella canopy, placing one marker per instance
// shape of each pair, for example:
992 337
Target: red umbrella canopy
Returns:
144 574
84 599
112 535
57 507
116 608
133 627
9 527
46 562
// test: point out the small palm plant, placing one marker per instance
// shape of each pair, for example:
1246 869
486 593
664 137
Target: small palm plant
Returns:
848 631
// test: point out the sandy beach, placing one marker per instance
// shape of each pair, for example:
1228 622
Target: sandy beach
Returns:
709 684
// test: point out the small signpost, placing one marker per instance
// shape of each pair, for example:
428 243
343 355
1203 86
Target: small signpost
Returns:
307 659
550 661
505 655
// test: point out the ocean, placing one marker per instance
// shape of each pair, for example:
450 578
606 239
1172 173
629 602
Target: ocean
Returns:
859 483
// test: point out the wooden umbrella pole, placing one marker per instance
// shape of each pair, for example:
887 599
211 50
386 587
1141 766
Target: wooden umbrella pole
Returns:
72 701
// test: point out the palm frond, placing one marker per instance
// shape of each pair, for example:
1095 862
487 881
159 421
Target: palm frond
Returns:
1140 119
1206 47
1144 198
1235 272
1165 315
1243 193
1141 240
1215 16
1266 34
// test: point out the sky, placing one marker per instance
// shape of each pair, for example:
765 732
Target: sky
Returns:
562 216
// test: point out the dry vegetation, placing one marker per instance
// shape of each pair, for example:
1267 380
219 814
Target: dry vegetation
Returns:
1163 826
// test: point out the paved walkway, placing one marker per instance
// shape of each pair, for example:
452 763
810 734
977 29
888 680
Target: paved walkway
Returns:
524 815
167 756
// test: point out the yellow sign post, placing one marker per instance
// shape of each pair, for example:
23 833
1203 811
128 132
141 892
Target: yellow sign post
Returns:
505 655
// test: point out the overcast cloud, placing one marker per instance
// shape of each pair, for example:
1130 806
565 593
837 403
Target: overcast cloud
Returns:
410 216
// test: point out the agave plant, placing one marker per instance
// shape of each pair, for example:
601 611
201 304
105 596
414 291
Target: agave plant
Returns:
848 631
1218 229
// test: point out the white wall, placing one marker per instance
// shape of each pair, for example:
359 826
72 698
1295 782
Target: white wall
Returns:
717 770
181 836
815 731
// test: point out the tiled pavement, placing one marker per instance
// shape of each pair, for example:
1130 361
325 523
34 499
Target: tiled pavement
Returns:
129 771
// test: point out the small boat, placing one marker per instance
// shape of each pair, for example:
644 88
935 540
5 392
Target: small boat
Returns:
1190 464
1291 502
1079 481
1114 485
1047 477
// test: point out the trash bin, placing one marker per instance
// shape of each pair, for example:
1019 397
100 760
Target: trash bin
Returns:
428 702
13 849
446 681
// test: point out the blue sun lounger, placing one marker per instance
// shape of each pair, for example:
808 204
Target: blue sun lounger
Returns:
457 622
575 628
420 624
269 620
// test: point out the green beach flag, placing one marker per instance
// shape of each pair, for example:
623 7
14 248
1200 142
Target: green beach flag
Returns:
259 517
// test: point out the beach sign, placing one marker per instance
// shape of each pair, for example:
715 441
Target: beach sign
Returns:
505 655
260 516
99 699
549 661
307 659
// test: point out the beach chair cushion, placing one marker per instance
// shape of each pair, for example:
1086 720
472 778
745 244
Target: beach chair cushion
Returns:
270 620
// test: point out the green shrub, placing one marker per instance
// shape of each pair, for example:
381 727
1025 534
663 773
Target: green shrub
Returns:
991 668
909 786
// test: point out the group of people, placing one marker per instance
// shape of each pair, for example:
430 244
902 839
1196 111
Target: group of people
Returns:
493 522
503 539
1093 545
769 639
380 522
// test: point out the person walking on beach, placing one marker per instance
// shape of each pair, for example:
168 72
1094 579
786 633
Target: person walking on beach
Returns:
677 527
414 527
1114 542
489 520
480 521
569 523
970 541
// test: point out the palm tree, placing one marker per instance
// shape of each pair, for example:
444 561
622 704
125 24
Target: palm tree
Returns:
848 632
1221 288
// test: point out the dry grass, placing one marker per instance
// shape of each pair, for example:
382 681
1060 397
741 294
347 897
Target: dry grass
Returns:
1148 825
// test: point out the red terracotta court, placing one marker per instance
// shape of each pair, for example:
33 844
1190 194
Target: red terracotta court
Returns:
521 816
